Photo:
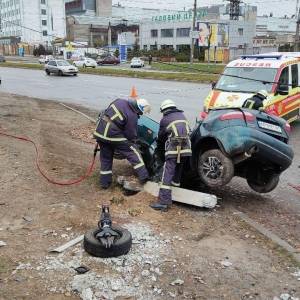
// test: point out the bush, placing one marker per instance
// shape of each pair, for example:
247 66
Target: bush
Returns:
182 57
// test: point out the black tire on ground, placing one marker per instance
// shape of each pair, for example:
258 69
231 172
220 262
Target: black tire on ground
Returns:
75 74
48 72
266 186
120 247
222 165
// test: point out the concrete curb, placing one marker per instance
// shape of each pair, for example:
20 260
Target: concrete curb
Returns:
267 233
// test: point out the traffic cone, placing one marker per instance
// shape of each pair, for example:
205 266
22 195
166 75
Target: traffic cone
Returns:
133 93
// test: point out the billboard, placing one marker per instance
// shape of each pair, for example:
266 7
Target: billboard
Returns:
213 34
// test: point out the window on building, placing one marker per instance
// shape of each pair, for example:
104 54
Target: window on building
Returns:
153 47
45 33
167 33
154 33
44 22
284 77
241 31
294 76
43 1
43 12
183 32
145 47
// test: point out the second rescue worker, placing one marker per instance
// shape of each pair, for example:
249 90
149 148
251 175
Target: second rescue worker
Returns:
173 137
117 131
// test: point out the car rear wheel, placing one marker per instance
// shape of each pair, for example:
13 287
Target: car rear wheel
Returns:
214 168
266 185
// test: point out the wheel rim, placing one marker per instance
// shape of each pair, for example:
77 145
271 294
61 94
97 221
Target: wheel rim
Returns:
212 168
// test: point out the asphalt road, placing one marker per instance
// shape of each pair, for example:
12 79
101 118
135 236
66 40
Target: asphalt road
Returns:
97 92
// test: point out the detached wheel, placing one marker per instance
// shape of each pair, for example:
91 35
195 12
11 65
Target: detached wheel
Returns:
214 168
266 185
121 245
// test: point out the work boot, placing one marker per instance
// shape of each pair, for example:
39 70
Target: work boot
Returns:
105 187
160 206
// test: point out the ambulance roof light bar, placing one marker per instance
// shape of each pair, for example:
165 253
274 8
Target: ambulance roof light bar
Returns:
262 56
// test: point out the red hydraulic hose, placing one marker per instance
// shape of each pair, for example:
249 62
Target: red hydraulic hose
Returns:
61 183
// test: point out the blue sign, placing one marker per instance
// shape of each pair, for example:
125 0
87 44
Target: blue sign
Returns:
123 52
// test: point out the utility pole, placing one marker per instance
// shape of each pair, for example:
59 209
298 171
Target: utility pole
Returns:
192 32
297 46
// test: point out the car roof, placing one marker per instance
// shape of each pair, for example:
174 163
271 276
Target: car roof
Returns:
266 60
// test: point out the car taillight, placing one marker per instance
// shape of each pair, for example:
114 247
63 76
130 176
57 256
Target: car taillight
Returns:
203 115
237 115
287 127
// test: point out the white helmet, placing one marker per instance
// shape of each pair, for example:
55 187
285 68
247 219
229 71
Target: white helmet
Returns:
263 93
167 104
143 105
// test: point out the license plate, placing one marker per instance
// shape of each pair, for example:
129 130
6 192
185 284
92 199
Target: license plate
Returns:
269 126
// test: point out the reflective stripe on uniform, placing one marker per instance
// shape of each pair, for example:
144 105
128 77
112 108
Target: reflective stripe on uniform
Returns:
117 113
106 129
108 138
181 151
249 104
175 184
166 187
141 164
173 126
105 172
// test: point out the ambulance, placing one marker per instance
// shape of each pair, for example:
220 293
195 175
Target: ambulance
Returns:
277 73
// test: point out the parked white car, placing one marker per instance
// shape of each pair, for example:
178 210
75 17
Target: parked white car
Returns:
44 59
85 62
136 62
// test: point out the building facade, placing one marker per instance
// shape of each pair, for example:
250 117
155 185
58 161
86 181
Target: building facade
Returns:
33 21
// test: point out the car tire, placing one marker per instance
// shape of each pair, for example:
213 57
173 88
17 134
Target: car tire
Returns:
60 73
120 247
215 169
264 187
48 72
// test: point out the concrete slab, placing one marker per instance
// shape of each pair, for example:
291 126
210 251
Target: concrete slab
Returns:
185 196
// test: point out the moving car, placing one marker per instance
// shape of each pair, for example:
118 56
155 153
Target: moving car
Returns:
277 73
44 59
60 67
136 62
227 143
108 60
85 62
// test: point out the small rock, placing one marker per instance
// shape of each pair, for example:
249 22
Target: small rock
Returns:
226 263
52 290
153 278
158 272
19 279
69 228
285 297
2 244
173 295
64 236
87 294
177 282
68 294
27 219
145 273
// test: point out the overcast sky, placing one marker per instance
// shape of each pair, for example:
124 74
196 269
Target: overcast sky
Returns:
278 7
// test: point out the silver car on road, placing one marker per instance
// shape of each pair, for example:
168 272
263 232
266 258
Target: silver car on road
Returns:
60 67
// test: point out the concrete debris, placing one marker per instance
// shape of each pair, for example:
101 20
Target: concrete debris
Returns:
124 276
177 282
145 273
27 219
297 274
173 295
226 263
24 267
286 296
87 294
2 244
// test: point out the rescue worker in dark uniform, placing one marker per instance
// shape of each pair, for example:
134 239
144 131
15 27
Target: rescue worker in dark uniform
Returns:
256 101
174 138
116 131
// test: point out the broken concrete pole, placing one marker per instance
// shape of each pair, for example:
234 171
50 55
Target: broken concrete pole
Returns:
184 196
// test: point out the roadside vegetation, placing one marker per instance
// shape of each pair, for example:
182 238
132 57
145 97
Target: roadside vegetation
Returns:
177 76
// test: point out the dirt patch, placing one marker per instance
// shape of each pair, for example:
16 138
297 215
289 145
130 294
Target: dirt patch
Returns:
187 253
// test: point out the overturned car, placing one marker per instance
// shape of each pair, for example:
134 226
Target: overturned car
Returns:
226 143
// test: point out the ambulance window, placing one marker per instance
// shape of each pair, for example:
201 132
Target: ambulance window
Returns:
284 77
294 76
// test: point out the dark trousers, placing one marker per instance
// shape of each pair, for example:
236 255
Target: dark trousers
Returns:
171 177
128 151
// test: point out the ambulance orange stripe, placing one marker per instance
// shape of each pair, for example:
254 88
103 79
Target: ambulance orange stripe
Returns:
214 98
